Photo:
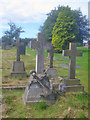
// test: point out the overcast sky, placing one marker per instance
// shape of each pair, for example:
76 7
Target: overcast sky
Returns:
30 14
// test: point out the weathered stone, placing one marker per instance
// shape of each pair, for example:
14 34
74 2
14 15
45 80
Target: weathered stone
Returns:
55 87
33 44
38 89
51 55
72 53
18 69
71 82
52 72
22 48
40 54
18 66
75 88
39 45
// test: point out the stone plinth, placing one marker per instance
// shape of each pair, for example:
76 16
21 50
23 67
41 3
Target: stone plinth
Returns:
71 85
18 69
37 90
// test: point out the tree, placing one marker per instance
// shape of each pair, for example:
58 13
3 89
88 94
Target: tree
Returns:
82 23
12 34
80 20
65 29
49 23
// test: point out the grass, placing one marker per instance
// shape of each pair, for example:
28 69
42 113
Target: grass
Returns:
67 106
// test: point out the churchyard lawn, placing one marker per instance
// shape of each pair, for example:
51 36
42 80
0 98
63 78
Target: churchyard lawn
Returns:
67 106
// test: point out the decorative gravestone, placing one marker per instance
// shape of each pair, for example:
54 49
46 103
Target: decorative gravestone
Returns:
18 66
51 71
71 84
38 89
39 45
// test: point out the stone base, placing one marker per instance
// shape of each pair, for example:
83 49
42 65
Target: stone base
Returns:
52 72
71 85
28 100
18 69
36 92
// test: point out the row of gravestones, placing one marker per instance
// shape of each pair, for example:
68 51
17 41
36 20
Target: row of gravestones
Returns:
39 86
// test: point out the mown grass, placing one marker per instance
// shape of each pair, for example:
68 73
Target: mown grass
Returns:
67 106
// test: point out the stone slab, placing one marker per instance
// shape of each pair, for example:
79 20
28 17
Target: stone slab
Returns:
70 82
52 72
75 88
18 69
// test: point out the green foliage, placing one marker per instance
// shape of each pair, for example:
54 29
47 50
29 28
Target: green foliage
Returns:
65 29
82 24
12 34
80 32
49 23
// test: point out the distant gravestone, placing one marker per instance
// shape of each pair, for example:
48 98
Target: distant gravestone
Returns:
18 66
51 55
4 45
22 48
72 84
51 71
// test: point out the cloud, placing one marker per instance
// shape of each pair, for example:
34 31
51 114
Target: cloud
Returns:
34 10
4 27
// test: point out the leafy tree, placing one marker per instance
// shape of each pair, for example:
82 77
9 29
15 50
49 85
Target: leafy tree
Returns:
65 29
80 20
49 23
82 23
12 34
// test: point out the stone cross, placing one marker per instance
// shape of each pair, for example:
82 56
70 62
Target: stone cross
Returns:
72 53
51 55
18 50
39 45
40 53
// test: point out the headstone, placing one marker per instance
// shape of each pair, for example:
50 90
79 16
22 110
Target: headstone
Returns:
52 72
39 45
4 45
22 48
18 68
71 84
38 89
51 54
72 53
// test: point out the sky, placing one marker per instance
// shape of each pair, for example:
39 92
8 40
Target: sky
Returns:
31 14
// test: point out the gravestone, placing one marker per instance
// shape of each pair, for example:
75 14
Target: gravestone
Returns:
51 71
51 55
22 48
38 89
18 66
39 45
72 84
4 45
